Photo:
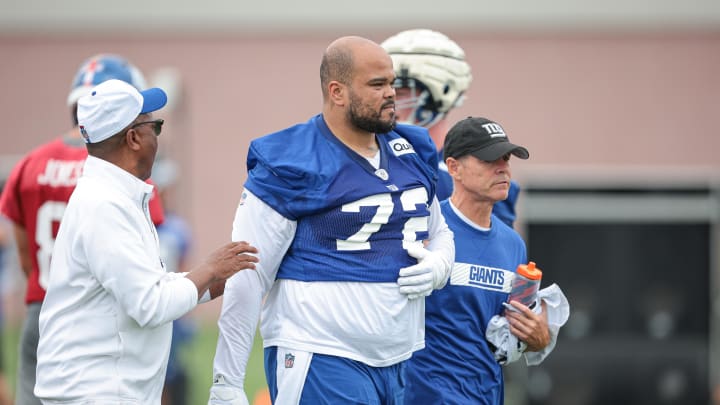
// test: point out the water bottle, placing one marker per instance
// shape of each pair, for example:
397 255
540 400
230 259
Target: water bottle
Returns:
526 284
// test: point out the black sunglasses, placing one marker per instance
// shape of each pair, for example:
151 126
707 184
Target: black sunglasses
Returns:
157 125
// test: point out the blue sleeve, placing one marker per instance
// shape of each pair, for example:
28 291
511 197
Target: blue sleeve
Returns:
290 170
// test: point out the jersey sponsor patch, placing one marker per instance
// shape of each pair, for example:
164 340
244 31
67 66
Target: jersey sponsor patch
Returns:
478 276
401 147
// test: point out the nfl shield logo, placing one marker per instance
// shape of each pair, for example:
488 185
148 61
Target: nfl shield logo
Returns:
289 360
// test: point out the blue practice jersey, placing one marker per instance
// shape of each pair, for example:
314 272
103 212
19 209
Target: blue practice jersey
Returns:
505 209
352 219
457 365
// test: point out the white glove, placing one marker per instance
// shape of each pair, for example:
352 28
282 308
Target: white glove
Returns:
430 273
223 394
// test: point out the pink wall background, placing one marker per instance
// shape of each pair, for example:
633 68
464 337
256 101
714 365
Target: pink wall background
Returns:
609 102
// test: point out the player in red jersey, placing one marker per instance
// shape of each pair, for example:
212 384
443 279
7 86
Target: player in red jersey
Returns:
34 199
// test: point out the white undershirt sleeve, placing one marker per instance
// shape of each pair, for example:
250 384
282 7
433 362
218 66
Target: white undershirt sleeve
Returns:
441 238
258 224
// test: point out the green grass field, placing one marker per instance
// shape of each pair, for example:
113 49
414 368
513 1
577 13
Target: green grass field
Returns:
197 356
10 336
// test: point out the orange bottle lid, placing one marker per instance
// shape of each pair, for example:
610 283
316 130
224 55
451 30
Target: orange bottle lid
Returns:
529 271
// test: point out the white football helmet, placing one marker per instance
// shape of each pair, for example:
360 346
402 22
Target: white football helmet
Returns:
433 67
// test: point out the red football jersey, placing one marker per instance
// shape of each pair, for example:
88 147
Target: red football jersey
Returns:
35 196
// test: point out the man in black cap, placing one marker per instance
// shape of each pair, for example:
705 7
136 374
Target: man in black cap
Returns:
487 253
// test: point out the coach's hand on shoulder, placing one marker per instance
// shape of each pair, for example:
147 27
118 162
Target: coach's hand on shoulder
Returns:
221 265
231 258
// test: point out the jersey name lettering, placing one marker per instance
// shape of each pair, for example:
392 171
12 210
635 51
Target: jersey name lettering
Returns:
61 173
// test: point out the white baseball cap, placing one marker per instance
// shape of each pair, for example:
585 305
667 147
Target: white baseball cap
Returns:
113 105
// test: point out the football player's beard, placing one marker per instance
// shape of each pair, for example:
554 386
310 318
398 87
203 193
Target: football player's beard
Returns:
368 120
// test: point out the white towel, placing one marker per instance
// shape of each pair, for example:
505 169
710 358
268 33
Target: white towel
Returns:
510 349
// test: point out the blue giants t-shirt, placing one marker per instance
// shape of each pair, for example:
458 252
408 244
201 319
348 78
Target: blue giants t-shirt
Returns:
353 220
457 365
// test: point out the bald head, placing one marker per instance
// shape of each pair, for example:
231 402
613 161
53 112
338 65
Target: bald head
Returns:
339 59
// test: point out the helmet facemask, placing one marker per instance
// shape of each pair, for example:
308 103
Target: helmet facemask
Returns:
415 103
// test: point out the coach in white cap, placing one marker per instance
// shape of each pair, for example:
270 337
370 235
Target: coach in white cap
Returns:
106 323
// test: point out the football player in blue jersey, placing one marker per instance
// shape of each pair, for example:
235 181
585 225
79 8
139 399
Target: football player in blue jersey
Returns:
351 240
432 80
458 365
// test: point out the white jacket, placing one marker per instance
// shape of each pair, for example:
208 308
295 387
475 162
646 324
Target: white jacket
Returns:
106 322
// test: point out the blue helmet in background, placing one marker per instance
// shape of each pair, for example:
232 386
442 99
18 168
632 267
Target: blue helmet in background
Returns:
100 68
